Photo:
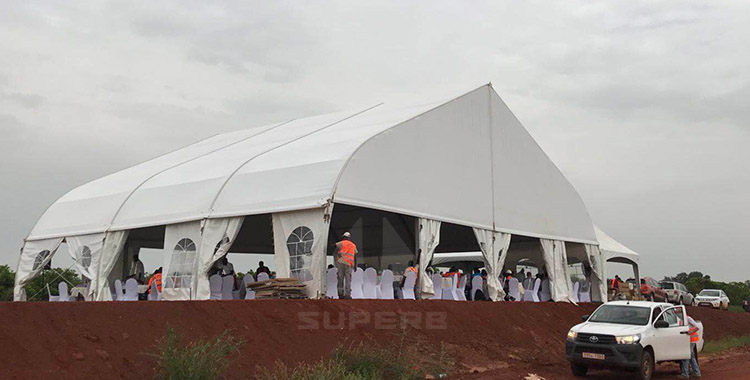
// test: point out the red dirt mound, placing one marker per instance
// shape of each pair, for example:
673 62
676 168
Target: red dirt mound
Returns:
112 339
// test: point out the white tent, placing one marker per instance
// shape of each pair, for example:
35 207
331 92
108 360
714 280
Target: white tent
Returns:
614 251
466 161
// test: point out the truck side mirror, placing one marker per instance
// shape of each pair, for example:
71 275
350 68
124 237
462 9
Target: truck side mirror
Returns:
584 318
660 324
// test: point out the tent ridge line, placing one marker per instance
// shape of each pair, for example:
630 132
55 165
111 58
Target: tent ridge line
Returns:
231 175
354 153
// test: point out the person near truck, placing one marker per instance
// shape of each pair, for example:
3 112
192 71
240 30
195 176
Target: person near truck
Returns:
689 367
345 252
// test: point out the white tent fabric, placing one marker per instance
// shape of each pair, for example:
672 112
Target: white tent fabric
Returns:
300 239
83 249
354 158
494 246
611 248
598 282
429 239
453 257
556 263
181 244
34 256
114 242
218 236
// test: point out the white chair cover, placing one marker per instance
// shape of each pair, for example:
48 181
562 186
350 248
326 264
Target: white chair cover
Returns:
215 285
545 294
461 291
154 295
386 285
408 289
50 297
370 282
437 286
477 283
358 277
584 296
227 285
62 287
263 276
131 290
452 292
249 293
513 289
119 292
576 286
332 283
532 295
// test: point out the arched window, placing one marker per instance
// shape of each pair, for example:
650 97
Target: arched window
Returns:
300 243
40 257
85 257
182 265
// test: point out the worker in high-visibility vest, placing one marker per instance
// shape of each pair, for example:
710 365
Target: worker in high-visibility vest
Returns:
345 253
156 277
690 367
411 268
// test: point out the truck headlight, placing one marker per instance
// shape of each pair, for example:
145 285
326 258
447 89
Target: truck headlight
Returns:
572 335
628 339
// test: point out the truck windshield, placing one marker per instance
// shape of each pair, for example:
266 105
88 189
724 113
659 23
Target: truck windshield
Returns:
621 314
667 285
709 293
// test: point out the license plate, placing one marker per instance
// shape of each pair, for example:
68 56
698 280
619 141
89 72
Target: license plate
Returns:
591 355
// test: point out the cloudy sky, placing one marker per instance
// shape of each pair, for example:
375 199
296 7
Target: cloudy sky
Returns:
642 104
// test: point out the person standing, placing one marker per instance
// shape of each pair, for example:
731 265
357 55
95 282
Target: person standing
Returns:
262 268
138 269
528 282
689 367
156 277
345 252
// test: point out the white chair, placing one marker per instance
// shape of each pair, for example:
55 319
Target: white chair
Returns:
477 284
386 285
513 289
358 278
408 289
437 286
263 276
50 297
131 290
227 285
119 292
576 286
452 292
249 293
545 294
332 283
370 282
154 295
532 295
461 290
64 296
584 295
214 283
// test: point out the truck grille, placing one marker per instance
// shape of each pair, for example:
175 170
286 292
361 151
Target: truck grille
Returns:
600 339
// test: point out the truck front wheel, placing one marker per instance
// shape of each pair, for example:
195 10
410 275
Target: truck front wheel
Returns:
578 369
646 369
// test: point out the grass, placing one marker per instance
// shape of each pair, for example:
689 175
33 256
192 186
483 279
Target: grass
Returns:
716 346
736 309
204 359
401 360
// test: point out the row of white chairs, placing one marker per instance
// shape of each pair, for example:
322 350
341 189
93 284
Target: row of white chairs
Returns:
365 285
581 296
130 291
222 288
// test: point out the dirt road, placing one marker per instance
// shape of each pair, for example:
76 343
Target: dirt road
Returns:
729 365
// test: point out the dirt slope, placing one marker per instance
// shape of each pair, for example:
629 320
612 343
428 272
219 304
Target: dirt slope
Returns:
111 339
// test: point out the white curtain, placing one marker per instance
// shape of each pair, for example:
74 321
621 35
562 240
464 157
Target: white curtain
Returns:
429 239
556 261
114 242
598 284
34 256
218 236
181 242
300 239
83 249
494 246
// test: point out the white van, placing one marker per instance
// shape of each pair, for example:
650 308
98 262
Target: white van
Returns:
631 335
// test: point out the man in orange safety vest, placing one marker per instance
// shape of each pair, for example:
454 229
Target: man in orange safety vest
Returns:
345 260
689 367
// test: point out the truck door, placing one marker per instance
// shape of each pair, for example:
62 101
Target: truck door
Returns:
672 342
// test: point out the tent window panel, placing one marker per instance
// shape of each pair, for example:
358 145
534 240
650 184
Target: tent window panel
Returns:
183 264
40 257
299 244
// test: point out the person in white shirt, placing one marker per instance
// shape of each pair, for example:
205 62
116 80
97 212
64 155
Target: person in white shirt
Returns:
138 270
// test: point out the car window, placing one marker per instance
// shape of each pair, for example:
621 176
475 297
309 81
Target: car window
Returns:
655 313
667 285
621 314
709 293
672 317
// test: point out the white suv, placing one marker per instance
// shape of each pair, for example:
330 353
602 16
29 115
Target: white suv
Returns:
630 335
715 298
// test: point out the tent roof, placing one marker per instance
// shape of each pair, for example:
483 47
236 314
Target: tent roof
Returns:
467 161
612 249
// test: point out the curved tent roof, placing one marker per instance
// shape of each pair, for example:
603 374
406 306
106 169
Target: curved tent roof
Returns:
613 250
467 161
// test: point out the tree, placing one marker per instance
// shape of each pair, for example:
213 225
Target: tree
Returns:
36 289
7 281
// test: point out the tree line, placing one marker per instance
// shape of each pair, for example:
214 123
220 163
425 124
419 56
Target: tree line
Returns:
696 281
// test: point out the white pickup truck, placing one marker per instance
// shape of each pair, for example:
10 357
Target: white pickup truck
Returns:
632 335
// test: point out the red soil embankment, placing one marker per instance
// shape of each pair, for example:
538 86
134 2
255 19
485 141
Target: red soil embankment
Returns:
111 340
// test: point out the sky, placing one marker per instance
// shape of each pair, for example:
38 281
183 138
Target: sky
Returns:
641 104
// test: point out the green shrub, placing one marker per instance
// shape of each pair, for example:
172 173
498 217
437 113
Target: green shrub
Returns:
203 359
716 346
